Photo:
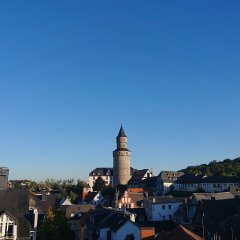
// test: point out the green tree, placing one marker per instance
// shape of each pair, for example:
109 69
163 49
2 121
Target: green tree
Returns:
108 193
55 227
99 184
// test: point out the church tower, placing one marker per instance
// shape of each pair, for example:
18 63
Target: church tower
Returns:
121 160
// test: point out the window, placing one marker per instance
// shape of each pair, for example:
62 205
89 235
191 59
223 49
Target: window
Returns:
163 206
169 206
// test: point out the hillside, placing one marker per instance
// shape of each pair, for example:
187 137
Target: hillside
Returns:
226 167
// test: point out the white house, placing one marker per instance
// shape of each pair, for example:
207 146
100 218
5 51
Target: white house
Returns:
8 226
166 179
193 183
94 198
105 173
161 208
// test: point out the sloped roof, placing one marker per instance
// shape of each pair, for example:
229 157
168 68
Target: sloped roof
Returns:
15 201
107 218
121 133
159 226
103 171
170 176
191 178
165 199
150 182
137 176
42 206
216 212
75 209
235 190
65 201
140 213
180 233
209 196
90 196
114 221
220 210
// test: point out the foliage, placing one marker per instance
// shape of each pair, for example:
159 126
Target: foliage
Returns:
121 188
66 187
227 167
55 227
108 193
99 184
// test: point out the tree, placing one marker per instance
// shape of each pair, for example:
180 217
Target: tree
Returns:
34 187
108 193
99 184
55 227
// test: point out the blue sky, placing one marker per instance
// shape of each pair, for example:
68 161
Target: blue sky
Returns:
72 71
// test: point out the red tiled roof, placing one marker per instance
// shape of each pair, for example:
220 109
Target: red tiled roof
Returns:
180 233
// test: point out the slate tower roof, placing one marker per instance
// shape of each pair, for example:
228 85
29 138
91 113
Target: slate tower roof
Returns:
121 133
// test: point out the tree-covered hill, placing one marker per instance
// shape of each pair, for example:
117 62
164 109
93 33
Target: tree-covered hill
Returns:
226 167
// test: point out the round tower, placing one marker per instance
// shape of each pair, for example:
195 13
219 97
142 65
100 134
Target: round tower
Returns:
121 160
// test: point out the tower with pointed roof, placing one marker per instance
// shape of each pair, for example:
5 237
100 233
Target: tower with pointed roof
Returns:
121 159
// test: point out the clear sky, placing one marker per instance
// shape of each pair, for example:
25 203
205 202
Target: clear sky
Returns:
72 71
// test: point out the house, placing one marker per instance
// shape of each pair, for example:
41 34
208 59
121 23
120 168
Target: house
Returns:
8 225
39 205
150 185
102 220
65 202
130 200
218 219
179 233
105 173
138 176
162 208
16 220
76 216
166 179
94 198
142 230
126 230
196 197
193 183
158 226
77 209
139 214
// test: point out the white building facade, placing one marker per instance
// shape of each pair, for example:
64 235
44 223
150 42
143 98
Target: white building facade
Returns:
8 226
206 184
105 173
161 209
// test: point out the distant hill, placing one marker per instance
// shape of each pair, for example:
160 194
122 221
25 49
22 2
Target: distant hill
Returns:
226 167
